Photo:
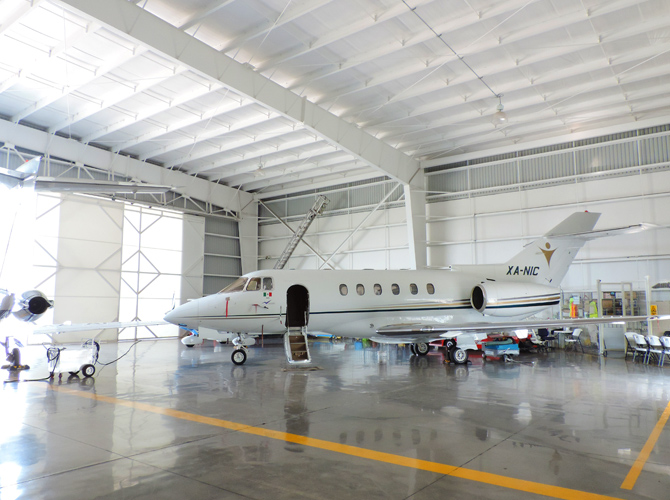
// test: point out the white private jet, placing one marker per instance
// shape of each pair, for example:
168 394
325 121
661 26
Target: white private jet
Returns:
413 306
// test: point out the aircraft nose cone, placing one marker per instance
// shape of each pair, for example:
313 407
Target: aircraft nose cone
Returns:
172 316
183 314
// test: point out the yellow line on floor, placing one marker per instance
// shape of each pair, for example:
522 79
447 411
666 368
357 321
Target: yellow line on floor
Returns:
642 458
448 470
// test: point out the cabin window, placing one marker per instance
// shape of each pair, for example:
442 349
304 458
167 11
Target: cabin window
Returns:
235 286
413 289
395 289
378 289
430 288
360 289
267 283
344 289
254 284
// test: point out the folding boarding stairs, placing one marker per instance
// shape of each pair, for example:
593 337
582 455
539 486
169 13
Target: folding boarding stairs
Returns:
296 346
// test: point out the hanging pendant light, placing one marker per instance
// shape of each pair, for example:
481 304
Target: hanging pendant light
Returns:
499 117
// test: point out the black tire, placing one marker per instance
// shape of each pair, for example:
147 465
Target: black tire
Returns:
459 356
422 348
412 349
239 356
15 357
87 370
190 346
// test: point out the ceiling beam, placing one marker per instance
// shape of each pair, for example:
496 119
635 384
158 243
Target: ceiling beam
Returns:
74 151
128 20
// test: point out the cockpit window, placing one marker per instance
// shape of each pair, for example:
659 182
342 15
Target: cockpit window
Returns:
253 285
235 286
267 283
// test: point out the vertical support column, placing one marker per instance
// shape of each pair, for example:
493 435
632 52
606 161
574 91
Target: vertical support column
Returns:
415 207
248 228
599 287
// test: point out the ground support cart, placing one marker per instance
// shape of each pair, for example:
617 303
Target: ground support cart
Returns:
73 359
497 349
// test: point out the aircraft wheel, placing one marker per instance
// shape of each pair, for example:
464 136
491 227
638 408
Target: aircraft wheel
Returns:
239 356
87 370
15 357
190 346
459 356
412 349
422 348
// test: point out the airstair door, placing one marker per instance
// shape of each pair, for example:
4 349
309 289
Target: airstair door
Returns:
297 317
297 306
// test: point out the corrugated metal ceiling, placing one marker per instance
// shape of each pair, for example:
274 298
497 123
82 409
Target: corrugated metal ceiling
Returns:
89 70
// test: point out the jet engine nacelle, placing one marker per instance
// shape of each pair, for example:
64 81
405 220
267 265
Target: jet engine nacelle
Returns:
500 298
31 305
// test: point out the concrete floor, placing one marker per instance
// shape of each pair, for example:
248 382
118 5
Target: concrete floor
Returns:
373 422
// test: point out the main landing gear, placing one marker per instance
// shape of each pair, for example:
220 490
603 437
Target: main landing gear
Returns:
454 353
420 348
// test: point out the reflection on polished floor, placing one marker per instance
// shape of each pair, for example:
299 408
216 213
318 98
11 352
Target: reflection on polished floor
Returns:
371 422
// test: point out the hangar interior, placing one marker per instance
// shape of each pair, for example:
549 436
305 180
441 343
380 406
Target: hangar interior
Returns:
441 132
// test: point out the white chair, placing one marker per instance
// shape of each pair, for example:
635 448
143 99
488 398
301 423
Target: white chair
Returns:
574 340
630 344
641 347
665 341
655 349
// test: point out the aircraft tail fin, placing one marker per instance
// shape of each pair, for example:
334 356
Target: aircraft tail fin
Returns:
547 259
30 167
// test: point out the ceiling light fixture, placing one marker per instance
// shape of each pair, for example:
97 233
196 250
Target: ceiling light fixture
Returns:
259 171
499 117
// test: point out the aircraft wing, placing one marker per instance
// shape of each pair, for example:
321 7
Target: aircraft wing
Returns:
82 327
424 332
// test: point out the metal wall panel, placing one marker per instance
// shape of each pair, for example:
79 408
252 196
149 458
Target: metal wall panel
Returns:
219 225
576 161
218 245
655 150
223 262
546 167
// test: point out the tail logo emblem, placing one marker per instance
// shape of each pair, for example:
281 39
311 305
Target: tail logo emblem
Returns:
548 253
